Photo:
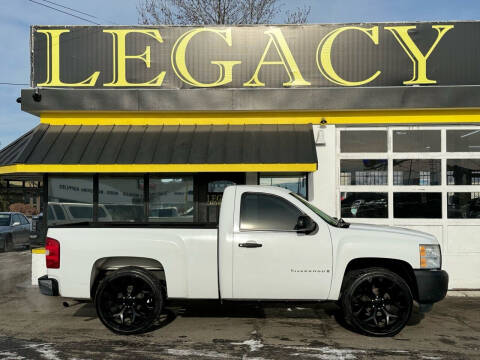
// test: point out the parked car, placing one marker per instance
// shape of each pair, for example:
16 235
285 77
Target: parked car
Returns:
14 231
63 213
66 213
270 244
38 231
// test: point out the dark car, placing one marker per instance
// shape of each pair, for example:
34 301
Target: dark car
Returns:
14 231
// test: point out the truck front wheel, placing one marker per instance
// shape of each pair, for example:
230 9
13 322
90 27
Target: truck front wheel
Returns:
129 300
376 301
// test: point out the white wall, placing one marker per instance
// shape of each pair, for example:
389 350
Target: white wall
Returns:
322 184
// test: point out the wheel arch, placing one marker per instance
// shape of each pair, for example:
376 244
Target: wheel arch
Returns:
104 265
400 267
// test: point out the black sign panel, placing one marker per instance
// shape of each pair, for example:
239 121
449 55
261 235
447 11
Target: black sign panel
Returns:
308 56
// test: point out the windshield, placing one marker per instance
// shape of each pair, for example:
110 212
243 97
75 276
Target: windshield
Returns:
4 220
317 211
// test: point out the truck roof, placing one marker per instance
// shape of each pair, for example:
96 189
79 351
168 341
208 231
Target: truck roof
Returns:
263 188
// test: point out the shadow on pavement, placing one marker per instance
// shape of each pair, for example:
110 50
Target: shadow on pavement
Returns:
254 310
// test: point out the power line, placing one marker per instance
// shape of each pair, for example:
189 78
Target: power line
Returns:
65 12
77 11
14 84
66 7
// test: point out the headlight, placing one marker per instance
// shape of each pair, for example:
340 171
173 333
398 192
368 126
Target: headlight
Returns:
430 257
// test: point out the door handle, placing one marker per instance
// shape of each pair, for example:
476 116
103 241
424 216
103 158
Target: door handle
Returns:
250 245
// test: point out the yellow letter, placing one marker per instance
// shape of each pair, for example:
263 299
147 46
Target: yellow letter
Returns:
419 60
286 59
179 65
53 60
120 57
324 56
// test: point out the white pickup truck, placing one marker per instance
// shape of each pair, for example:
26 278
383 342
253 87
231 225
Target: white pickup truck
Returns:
270 244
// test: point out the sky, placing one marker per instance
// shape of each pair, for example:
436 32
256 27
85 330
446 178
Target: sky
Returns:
16 16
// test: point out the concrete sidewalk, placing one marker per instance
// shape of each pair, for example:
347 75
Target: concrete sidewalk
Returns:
464 293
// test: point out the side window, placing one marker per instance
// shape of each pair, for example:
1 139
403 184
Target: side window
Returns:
267 212
59 212
24 220
16 219
50 214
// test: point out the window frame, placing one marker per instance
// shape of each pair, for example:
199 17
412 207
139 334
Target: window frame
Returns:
264 230
288 174
443 187
96 223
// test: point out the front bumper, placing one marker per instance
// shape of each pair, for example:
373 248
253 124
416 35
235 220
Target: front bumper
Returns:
48 286
432 285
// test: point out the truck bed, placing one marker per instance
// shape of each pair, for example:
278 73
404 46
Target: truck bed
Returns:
189 253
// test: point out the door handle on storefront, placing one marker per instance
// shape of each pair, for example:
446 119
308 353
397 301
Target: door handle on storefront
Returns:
250 245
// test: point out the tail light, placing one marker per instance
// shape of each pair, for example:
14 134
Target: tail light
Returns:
52 252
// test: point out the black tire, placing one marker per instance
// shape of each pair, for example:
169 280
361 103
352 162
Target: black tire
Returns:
129 300
376 301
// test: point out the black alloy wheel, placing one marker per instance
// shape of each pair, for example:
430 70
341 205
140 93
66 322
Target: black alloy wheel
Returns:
376 301
129 300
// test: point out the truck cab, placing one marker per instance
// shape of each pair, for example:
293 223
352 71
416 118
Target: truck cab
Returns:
270 244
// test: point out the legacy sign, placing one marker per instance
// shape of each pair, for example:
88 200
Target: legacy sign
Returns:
174 57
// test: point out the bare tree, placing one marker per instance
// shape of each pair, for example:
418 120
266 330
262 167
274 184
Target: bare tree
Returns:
299 15
207 12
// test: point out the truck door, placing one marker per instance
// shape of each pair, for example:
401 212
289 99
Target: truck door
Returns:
271 260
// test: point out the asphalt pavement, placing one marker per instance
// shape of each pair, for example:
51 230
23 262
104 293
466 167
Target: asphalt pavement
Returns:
33 326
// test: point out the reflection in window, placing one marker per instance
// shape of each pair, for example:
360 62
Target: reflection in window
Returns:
294 183
121 198
416 172
363 141
267 212
364 172
416 141
65 196
463 171
463 205
463 140
418 205
364 205
219 186
171 199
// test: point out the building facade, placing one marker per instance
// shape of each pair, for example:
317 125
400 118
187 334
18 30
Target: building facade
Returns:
375 123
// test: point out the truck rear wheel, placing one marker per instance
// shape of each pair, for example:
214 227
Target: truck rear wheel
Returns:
376 301
129 300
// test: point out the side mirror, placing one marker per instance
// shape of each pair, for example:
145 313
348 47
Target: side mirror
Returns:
305 225
16 223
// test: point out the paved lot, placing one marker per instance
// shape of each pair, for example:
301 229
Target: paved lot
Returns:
33 326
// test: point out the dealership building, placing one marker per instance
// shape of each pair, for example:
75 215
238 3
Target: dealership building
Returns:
374 123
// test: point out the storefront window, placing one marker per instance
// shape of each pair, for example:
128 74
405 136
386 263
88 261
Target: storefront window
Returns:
364 172
416 141
295 183
416 172
121 198
417 205
463 171
463 140
171 199
463 205
70 199
364 205
363 141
